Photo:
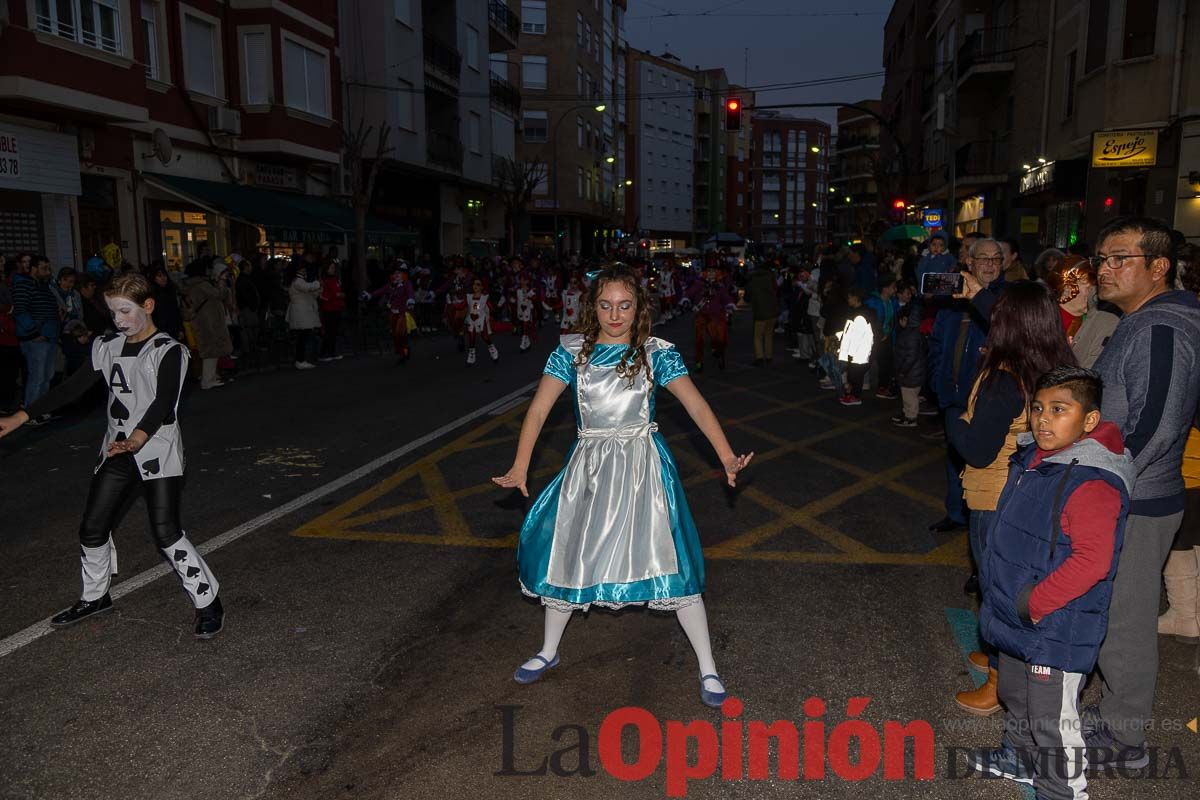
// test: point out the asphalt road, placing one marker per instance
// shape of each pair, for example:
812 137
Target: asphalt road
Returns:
372 631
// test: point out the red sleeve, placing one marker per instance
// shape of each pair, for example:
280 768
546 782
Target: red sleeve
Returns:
1090 519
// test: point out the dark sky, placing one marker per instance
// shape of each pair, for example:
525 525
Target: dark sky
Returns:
789 41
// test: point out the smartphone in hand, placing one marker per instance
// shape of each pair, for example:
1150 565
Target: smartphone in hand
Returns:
942 284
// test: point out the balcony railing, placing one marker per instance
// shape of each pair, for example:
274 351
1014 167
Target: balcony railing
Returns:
981 158
505 95
850 142
445 151
442 58
985 46
501 17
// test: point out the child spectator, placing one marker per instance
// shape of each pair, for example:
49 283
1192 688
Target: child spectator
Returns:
883 302
1052 556
855 344
909 355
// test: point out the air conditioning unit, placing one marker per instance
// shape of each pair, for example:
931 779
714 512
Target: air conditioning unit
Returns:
225 120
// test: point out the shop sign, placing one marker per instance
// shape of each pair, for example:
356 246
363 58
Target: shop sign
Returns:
1038 179
1124 148
932 218
272 176
1029 224
10 156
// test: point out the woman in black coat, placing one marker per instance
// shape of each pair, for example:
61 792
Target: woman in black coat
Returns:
167 316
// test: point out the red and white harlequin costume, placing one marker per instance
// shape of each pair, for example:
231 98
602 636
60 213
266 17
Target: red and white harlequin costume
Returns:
479 325
572 300
526 298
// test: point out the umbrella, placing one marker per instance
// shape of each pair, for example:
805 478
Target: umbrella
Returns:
901 232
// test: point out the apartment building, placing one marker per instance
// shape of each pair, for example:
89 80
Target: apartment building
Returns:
856 209
790 166
157 126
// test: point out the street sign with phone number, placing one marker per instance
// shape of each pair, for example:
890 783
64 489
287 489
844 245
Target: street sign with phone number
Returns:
10 156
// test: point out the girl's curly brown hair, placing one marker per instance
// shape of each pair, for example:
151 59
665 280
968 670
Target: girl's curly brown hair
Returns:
634 359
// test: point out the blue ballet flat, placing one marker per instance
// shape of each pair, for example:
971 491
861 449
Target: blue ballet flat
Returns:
523 675
712 699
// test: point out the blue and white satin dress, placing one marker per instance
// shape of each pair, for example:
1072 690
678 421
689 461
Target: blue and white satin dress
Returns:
613 528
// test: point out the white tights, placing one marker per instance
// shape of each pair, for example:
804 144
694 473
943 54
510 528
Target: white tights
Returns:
692 619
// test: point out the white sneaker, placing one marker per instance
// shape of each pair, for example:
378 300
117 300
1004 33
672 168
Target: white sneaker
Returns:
305 365
493 352
471 356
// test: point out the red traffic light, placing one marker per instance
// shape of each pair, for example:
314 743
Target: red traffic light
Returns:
733 113
733 104
899 205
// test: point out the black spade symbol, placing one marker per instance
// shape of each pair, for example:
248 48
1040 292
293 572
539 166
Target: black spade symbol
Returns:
151 467
180 555
203 588
120 437
108 337
162 340
193 572
118 412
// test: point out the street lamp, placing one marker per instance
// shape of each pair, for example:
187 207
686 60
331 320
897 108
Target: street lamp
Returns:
610 159
815 149
598 107
628 182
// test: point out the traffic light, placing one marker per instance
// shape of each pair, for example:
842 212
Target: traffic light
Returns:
898 206
733 114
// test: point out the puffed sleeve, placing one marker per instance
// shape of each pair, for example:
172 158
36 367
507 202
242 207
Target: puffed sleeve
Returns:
561 366
668 365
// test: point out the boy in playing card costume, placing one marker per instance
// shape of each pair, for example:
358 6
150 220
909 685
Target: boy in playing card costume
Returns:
572 296
526 300
455 288
142 450
714 303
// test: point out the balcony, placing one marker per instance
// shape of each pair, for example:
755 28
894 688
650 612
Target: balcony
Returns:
505 96
443 64
445 152
982 163
849 143
504 27
986 53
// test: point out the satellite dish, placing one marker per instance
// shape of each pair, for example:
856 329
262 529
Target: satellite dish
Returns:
163 149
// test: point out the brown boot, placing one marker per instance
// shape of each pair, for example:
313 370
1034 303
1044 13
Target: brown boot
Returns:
983 701
978 661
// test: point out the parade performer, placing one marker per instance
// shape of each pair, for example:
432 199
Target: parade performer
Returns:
714 304
479 322
144 369
572 298
551 295
666 292
526 300
613 528
400 299
455 289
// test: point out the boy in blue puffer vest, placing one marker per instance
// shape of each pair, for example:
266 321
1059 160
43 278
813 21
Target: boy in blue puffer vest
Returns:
1052 552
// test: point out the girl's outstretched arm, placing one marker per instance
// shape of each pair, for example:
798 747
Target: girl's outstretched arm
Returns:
698 409
543 400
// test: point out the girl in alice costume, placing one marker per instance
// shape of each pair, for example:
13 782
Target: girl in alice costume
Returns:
142 452
613 528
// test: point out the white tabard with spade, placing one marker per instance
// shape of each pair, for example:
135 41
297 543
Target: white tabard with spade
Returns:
132 386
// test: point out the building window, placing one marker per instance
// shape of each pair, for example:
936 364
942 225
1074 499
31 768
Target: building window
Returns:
533 72
95 23
579 40
474 132
150 40
472 43
649 185
403 11
305 78
536 126
498 65
404 107
1097 35
1140 20
200 56
533 17
579 132
256 67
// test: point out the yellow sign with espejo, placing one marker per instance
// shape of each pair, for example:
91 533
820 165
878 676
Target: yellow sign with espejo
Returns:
1125 148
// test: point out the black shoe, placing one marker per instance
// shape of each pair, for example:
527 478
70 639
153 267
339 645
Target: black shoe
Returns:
972 584
210 619
946 525
1104 748
81 610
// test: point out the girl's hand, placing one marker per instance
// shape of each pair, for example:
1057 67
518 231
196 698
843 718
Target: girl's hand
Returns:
12 422
131 445
734 465
513 479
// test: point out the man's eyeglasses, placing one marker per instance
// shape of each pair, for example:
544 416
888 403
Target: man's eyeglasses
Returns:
988 259
1113 262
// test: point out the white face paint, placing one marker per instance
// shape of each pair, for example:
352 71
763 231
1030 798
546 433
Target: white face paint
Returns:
128 317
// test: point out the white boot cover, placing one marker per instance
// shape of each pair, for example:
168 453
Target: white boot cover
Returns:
97 565
198 581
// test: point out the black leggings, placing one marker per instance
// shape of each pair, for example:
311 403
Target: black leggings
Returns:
114 486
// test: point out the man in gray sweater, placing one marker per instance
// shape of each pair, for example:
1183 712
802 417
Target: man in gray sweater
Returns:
1151 372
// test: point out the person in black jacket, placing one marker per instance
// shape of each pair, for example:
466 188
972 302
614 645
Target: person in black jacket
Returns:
167 316
249 301
908 357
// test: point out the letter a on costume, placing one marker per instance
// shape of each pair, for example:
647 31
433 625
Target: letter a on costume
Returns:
116 378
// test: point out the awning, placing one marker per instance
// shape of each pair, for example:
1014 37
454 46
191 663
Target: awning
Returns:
287 217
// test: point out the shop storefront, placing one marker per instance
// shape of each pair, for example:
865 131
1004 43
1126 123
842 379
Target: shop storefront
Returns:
971 217
39 185
1050 203
1132 172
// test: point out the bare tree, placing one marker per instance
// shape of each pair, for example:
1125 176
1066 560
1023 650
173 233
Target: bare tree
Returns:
517 181
363 166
